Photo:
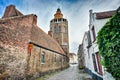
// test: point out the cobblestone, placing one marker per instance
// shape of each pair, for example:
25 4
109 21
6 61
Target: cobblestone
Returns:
72 73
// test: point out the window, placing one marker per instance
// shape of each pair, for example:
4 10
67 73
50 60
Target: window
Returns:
88 53
59 29
55 29
94 62
93 33
60 58
59 20
64 59
54 58
51 21
55 20
64 29
99 65
43 57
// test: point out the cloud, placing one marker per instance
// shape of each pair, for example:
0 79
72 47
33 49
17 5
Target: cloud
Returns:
76 11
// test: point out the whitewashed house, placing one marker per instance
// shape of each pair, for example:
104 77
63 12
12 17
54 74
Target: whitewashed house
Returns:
88 61
89 52
96 22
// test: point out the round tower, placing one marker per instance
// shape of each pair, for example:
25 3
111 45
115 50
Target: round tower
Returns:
59 30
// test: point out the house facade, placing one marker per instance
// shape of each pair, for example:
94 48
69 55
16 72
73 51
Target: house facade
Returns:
91 60
72 58
97 21
26 51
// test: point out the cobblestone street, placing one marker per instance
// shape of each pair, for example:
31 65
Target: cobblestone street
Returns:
72 73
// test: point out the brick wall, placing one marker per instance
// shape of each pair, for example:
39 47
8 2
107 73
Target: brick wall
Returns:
14 37
36 66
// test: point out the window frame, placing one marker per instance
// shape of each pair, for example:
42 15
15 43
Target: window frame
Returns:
98 63
55 29
94 62
42 58
59 28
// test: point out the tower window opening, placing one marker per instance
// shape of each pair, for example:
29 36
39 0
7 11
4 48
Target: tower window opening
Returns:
59 20
55 20
51 21
55 29
59 29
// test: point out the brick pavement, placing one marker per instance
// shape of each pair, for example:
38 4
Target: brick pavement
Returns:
72 73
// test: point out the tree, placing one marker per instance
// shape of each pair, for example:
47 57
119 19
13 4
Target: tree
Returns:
108 41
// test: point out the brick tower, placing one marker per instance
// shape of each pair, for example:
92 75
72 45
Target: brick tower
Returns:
59 30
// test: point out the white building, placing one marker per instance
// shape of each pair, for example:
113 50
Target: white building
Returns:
96 22
92 58
88 62
72 58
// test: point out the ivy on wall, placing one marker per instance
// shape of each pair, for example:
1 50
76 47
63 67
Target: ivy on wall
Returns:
108 41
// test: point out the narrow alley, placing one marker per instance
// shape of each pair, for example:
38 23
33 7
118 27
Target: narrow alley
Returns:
72 73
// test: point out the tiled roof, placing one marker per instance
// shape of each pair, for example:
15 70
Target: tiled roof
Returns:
39 37
107 14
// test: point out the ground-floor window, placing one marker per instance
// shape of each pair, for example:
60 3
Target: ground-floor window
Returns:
54 58
96 63
99 64
43 57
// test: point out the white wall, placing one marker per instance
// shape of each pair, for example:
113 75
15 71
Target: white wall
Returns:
98 24
87 53
73 59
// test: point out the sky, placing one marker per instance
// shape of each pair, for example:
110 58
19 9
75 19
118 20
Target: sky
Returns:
75 11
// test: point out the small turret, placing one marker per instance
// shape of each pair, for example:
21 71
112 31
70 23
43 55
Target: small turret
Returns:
58 14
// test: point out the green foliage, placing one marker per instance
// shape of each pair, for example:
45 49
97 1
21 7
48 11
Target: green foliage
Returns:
108 40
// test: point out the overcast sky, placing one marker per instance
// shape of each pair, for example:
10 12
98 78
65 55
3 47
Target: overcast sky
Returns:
75 11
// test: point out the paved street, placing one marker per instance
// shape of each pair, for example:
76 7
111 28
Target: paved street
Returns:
72 73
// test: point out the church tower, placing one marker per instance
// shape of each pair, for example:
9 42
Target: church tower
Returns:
59 30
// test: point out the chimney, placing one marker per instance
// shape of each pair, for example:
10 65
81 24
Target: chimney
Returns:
50 33
11 11
90 16
35 20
